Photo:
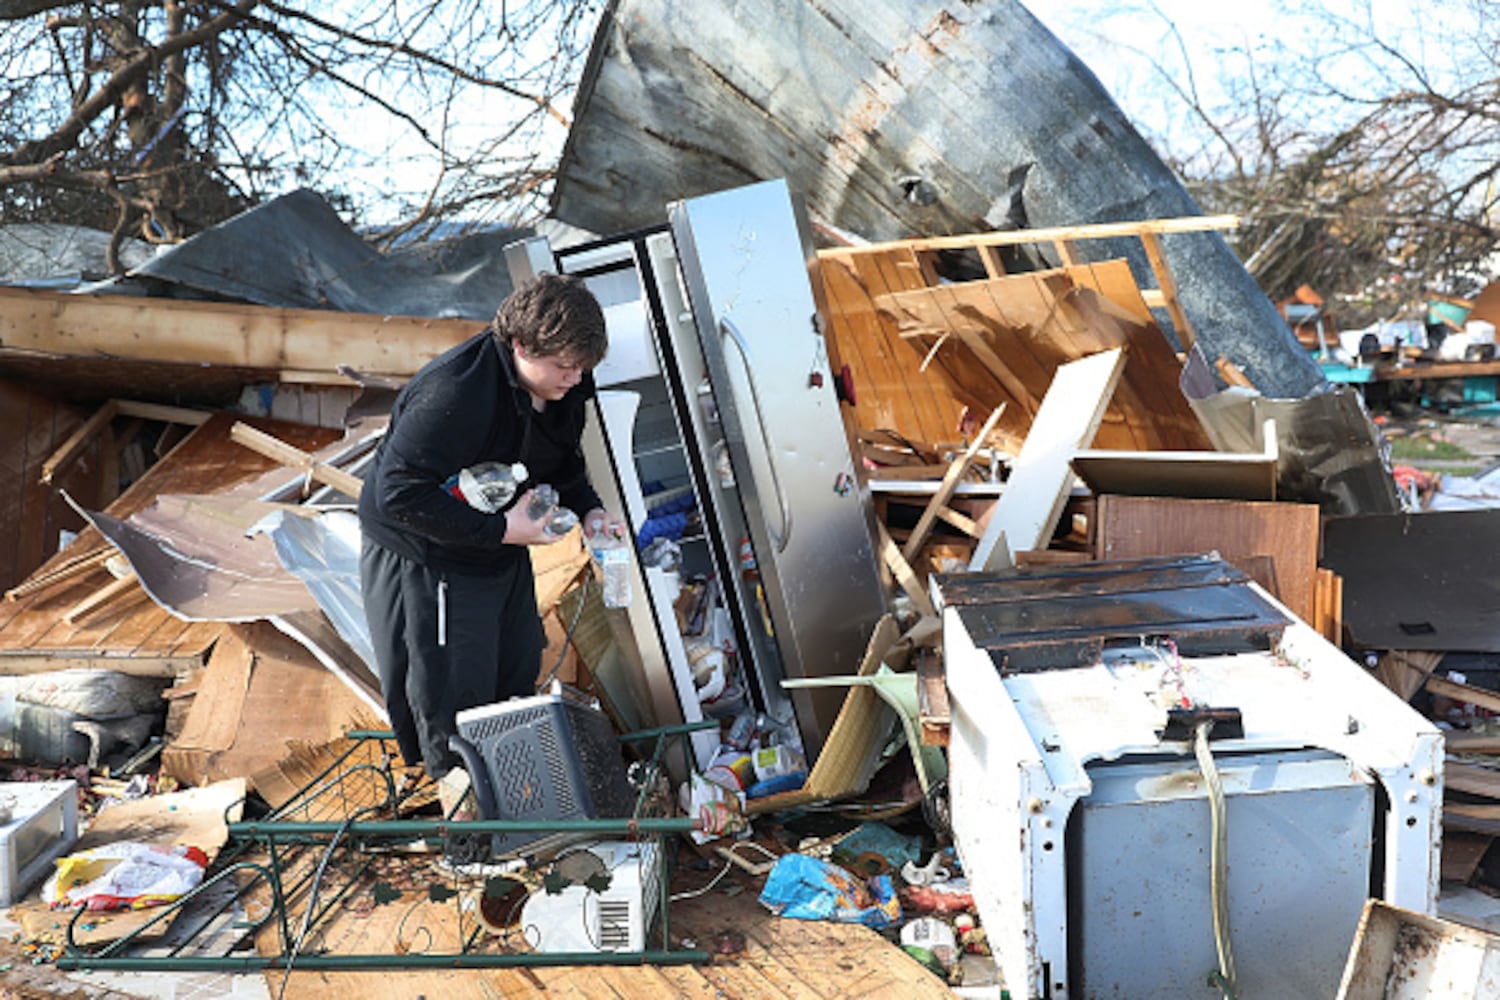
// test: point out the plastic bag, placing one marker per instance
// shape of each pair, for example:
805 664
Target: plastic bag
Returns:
127 875
804 888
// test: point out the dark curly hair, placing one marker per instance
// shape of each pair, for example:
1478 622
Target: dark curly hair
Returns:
554 315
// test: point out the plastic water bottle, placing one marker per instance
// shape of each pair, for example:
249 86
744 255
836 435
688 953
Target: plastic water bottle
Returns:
561 522
614 562
488 486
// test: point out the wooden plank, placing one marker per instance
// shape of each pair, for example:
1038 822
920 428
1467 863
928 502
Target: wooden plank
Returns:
272 447
70 448
1020 237
1461 855
1472 779
1466 693
1041 477
956 471
109 592
1458 741
16 664
232 335
905 576
1134 527
73 567
1168 285
1231 374
160 413
932 699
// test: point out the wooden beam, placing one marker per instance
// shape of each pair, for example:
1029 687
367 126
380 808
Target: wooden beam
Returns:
160 413
1016 237
181 331
1467 693
68 570
19 664
956 470
905 576
100 597
932 699
274 448
1168 284
1042 476
1457 741
76 441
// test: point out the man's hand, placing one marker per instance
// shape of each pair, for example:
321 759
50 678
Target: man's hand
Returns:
601 522
523 530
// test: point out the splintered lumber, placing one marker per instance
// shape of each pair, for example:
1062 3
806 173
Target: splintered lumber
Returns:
905 576
101 419
932 699
1471 779
161 414
1462 742
100 597
1466 693
1042 476
314 342
73 567
956 471
272 447
1404 670
75 443
1168 286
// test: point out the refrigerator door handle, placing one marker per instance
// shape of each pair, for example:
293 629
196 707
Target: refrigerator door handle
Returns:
729 331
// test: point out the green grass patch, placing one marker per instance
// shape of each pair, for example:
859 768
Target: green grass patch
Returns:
1417 448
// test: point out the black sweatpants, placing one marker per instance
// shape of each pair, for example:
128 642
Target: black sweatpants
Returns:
445 642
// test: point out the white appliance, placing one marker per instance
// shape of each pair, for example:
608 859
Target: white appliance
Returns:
1084 822
38 824
717 393
618 917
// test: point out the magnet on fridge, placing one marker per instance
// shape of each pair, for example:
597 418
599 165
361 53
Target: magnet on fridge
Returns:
843 484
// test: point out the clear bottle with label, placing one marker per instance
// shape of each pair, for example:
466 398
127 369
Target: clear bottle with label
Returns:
487 486
613 555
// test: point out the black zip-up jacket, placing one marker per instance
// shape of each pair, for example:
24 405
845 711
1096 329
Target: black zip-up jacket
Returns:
465 407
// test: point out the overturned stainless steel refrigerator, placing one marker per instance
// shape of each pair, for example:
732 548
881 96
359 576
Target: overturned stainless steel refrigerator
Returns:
723 433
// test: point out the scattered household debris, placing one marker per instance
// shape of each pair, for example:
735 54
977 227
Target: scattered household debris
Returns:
1036 405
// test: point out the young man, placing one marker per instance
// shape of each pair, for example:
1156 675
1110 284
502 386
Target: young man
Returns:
448 589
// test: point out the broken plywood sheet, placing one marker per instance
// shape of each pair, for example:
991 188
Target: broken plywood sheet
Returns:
192 818
205 462
1242 532
33 516
894 390
261 695
1001 340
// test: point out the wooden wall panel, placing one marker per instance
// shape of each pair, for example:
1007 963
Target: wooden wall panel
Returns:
1245 533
